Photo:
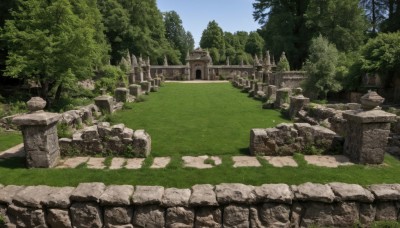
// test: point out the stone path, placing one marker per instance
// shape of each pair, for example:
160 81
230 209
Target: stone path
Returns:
198 162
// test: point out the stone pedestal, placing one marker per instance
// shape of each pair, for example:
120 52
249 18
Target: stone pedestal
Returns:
105 104
121 94
135 90
146 86
271 92
297 103
367 135
39 130
282 97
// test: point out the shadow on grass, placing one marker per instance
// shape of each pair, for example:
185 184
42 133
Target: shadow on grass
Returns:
244 151
13 163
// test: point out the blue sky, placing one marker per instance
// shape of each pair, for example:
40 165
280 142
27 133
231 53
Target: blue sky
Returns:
231 15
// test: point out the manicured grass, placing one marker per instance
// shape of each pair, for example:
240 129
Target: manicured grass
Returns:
9 139
198 119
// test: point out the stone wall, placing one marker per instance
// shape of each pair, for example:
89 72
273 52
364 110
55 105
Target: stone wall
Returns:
290 79
224 205
287 139
104 139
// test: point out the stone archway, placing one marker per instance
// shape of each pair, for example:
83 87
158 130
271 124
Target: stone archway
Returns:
198 75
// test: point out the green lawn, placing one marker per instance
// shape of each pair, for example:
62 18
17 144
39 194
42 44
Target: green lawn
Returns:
9 139
198 119
194 119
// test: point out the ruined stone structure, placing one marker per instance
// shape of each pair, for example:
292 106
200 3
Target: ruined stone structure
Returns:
224 205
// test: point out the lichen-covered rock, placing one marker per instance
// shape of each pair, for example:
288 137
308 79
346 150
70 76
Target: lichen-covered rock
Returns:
26 217
235 193
278 193
149 216
270 215
86 215
236 216
32 196
385 192
386 211
208 217
58 218
117 195
147 195
203 195
180 217
174 197
141 143
104 129
86 192
367 213
7 193
351 192
313 192
90 133
117 216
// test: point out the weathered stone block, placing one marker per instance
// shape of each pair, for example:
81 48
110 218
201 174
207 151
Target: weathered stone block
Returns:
367 213
149 216
278 193
180 217
270 215
7 193
208 217
58 218
59 198
203 195
351 192
145 86
117 216
174 197
313 192
135 90
282 97
236 216
26 217
258 142
86 192
121 94
297 103
235 193
141 143
90 133
32 196
147 195
117 195
386 211
86 215
386 192
105 104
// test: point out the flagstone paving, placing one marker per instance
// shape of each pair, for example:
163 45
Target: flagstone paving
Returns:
96 163
117 163
160 162
15 151
134 163
332 161
73 162
201 162
281 161
245 161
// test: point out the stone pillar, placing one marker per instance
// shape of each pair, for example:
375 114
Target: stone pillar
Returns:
297 103
282 97
271 92
146 86
39 130
105 103
367 131
135 90
121 94
154 86
131 77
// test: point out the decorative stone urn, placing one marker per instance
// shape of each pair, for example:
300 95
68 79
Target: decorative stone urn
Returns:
371 100
36 104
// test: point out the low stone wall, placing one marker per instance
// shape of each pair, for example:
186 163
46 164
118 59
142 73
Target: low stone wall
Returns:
224 205
104 139
287 139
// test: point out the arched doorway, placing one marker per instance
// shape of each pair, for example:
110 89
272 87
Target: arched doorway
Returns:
198 75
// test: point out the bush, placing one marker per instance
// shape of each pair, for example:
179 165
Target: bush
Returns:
109 77
64 131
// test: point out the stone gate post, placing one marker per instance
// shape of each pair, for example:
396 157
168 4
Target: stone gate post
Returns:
39 130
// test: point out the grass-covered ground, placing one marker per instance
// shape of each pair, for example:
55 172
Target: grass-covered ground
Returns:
198 119
9 139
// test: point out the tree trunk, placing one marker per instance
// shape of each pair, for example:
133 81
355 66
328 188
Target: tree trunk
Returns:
58 92
374 22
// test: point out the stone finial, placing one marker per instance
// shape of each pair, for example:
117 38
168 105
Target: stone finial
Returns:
103 91
371 100
165 60
134 61
298 91
36 104
241 62
148 61
227 61
256 61
268 59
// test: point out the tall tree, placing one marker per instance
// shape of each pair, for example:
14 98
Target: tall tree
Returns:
5 13
53 42
255 44
376 12
213 37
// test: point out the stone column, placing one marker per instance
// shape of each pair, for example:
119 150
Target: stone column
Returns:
297 103
39 130
282 97
367 131
135 90
121 94
146 86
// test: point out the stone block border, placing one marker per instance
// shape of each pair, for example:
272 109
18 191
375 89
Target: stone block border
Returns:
223 205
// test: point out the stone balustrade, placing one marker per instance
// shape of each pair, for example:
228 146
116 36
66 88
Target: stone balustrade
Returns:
223 205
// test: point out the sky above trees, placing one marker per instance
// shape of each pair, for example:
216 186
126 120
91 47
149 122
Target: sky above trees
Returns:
231 15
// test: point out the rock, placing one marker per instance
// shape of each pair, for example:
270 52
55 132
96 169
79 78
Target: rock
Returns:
90 134
105 103
59 198
180 217
127 133
245 161
386 192
32 196
121 94
258 139
117 216
203 195
278 193
7 193
88 192
104 129
160 162
386 211
270 215
146 195
174 197
117 195
26 217
208 217
235 193
351 192
141 143
86 215
58 218
149 216
236 216
313 192
117 129
367 213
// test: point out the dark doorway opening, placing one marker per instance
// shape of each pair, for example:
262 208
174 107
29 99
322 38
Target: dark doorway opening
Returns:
198 74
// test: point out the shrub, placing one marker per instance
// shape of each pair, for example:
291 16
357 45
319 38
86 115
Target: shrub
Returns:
64 131
109 77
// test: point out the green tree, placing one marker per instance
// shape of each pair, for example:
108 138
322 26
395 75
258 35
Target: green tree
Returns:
283 64
213 37
255 44
5 7
321 68
53 42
